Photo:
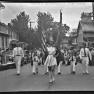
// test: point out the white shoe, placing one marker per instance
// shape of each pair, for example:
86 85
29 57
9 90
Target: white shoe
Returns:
50 81
53 80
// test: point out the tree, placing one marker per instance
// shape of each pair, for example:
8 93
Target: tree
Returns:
44 24
50 28
20 26
44 20
58 32
1 6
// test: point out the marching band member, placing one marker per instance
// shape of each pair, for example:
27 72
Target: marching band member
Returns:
66 57
18 54
51 63
84 56
35 62
60 59
73 62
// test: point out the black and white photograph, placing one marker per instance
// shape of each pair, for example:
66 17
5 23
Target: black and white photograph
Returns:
46 46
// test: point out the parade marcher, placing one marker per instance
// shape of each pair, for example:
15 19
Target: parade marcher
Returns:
40 56
66 57
18 54
84 56
35 59
73 62
31 61
51 63
60 58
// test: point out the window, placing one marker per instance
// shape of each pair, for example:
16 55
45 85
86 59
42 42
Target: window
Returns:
2 42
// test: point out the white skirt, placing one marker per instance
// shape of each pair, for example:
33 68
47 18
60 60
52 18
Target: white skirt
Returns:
51 60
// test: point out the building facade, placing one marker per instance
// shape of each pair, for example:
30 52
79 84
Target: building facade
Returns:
13 37
85 30
4 36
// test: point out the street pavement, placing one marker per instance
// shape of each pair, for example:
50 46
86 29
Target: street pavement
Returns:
9 81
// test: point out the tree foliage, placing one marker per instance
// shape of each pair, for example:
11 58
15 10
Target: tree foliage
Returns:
44 24
44 20
20 26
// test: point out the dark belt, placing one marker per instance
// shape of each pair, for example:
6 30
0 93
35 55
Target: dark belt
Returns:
84 56
18 55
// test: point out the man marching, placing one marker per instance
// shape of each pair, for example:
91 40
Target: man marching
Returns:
60 59
73 62
84 56
18 54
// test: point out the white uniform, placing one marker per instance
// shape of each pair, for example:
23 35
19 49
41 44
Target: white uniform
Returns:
51 60
85 59
35 63
18 54
51 51
73 61
66 57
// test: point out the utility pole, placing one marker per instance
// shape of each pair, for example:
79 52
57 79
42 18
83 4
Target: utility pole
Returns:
31 23
93 10
59 31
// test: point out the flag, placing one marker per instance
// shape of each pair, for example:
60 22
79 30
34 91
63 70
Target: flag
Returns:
43 41
1 6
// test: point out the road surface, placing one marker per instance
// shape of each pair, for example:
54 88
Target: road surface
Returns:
9 81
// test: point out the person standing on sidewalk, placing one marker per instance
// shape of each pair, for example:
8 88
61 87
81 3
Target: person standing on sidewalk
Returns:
85 55
18 54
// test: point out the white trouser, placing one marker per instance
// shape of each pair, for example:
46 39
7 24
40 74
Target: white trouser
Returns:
66 61
40 61
35 66
73 65
59 66
47 68
18 63
85 62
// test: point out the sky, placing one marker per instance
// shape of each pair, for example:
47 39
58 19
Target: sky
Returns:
71 11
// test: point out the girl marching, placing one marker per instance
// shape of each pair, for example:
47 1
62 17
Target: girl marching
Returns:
51 62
